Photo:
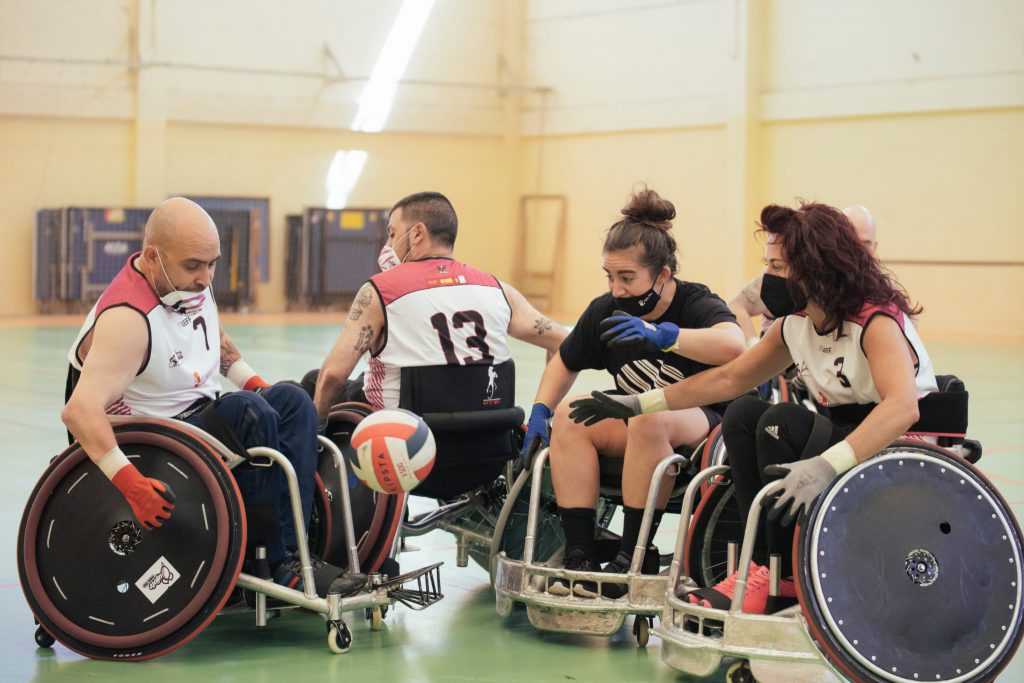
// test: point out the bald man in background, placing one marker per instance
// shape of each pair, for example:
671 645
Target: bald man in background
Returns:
748 304
153 345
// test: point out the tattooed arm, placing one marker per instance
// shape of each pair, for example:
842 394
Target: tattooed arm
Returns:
229 352
361 333
530 326
234 368
746 305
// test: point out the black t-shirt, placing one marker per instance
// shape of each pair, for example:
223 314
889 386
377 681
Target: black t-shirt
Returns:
634 368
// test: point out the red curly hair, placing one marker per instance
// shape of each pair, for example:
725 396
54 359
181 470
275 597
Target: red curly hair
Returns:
829 264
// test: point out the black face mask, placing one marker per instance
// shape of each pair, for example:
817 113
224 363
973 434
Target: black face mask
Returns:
639 305
777 298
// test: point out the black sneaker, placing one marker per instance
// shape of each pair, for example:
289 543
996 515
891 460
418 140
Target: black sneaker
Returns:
576 560
620 565
328 578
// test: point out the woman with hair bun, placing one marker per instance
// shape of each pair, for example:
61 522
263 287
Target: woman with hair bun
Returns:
845 324
648 331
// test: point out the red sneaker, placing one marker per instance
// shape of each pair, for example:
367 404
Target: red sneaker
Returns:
756 599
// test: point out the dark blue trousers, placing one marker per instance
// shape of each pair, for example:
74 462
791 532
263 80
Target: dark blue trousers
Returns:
282 418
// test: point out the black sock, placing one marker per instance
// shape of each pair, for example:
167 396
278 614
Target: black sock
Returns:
579 524
632 518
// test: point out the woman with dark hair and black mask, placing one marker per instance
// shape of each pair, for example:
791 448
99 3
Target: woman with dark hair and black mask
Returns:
846 326
650 330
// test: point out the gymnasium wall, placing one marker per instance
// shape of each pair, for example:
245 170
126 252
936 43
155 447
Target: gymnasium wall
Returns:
913 108
125 103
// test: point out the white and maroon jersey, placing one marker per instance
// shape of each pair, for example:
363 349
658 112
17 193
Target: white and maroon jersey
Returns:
182 363
836 370
437 311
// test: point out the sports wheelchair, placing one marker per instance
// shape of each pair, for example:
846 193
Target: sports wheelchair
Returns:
478 430
525 578
907 568
106 589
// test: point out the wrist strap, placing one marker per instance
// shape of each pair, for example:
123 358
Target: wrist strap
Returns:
652 401
244 377
112 462
840 456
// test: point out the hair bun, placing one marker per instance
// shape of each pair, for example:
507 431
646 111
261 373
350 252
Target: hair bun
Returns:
775 218
647 206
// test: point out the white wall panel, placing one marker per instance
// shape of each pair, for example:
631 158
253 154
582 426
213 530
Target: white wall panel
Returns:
251 61
834 58
621 65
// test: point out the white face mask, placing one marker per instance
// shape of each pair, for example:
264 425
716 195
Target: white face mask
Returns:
388 258
184 303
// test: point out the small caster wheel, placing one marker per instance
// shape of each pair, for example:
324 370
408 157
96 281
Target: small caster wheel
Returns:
642 631
339 638
44 639
376 619
739 672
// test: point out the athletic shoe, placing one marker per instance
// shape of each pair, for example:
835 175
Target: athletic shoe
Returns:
329 579
576 560
620 565
756 599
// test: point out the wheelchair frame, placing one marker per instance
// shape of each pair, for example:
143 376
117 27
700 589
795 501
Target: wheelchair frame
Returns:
527 582
381 591
774 647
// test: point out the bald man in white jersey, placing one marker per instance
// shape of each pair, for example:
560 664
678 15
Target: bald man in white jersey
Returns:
153 345
747 303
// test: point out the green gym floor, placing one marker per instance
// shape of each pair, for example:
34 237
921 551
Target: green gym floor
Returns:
459 639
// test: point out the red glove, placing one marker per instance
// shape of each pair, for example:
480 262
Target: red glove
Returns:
255 382
151 499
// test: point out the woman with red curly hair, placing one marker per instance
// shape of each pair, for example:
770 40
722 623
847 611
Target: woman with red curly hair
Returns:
846 325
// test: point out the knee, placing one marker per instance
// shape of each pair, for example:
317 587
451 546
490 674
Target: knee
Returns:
649 426
742 412
250 416
561 423
290 397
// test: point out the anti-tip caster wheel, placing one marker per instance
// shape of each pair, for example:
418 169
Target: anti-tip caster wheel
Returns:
642 630
339 637
739 672
376 617
44 639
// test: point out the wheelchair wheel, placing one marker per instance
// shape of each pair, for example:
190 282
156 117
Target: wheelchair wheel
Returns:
715 523
101 584
909 569
712 454
376 517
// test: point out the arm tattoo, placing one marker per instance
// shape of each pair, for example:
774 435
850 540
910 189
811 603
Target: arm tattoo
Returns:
363 300
229 353
364 339
542 325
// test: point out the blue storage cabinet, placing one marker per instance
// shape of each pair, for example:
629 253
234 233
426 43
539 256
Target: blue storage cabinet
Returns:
343 245
259 230
100 240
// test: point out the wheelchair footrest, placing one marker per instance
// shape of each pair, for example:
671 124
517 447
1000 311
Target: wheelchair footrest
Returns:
427 589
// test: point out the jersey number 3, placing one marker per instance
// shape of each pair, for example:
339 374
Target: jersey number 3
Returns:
477 340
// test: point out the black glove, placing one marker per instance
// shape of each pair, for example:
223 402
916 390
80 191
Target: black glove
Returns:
602 406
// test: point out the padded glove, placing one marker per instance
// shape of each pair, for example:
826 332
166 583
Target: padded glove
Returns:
537 434
804 480
622 329
151 500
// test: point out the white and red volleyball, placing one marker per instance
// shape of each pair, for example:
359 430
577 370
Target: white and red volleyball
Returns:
394 450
